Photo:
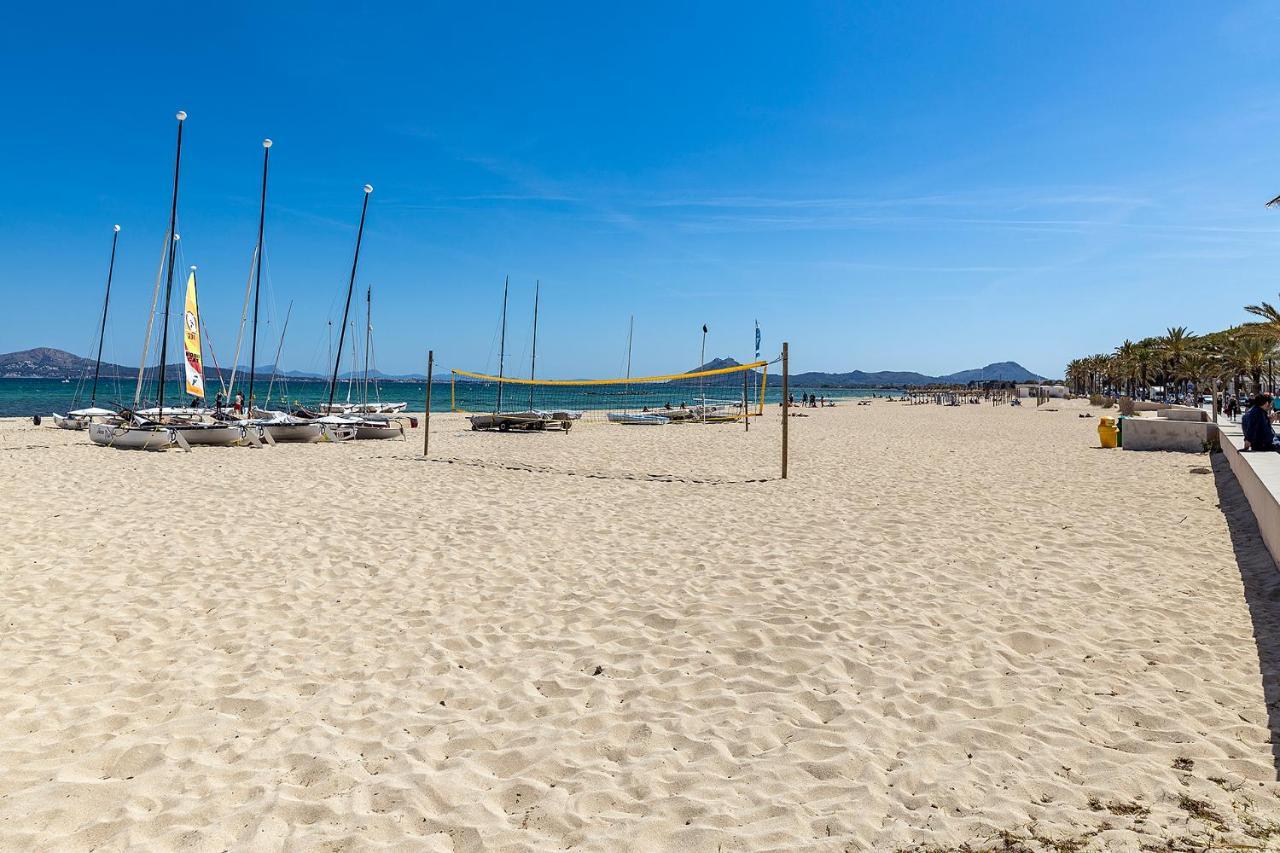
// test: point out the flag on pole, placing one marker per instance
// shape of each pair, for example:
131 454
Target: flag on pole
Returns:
1275 202
757 340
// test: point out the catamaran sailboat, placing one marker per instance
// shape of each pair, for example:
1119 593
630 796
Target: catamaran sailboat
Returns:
81 418
375 421
350 425
141 431
186 422
530 418
137 433
270 426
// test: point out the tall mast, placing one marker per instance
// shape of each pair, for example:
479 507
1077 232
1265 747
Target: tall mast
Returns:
533 357
173 251
151 319
102 330
333 382
631 331
244 315
368 334
355 362
275 364
502 346
257 278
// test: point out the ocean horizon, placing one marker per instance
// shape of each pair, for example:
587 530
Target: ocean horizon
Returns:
26 397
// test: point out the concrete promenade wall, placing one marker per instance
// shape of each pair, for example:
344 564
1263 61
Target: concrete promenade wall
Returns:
1183 413
1259 478
1165 434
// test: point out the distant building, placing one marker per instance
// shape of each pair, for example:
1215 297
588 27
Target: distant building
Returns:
1032 390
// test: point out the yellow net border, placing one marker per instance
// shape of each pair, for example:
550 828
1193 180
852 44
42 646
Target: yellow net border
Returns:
762 366
510 380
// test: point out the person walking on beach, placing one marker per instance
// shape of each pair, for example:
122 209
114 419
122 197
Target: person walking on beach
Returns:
1258 432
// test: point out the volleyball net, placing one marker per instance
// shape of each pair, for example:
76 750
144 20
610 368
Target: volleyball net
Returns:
721 395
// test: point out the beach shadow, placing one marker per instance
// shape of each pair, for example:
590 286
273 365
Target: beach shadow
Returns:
637 477
1261 590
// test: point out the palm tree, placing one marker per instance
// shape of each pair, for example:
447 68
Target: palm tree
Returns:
1145 369
1074 375
1127 364
1270 325
1198 366
1250 357
1174 345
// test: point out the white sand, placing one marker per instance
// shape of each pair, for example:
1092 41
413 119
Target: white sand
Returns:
951 623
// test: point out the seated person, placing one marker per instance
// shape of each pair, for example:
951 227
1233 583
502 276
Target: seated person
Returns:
1258 432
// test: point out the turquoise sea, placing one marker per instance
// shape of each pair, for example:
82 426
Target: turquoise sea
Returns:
27 397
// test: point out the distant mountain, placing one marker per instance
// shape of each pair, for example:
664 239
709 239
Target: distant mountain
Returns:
862 379
48 363
1000 371
717 364
1003 371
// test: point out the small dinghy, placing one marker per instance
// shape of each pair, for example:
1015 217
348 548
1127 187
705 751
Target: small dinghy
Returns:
638 419
377 427
81 418
528 420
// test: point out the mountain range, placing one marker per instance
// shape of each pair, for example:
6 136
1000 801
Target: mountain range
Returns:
1000 371
48 363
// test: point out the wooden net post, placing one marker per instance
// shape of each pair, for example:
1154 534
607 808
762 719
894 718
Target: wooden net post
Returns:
786 405
746 416
426 416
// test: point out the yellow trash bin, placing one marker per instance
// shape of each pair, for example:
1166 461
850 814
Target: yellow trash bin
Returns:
1107 432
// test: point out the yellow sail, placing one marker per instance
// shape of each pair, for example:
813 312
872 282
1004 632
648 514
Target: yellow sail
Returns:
191 341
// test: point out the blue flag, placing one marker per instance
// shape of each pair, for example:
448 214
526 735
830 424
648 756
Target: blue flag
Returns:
757 340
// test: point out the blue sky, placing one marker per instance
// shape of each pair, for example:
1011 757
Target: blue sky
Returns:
896 185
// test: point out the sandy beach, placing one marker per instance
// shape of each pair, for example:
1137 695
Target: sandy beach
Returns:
952 626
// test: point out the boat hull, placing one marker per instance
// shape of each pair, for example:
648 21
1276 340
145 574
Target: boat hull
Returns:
337 432
366 431
65 422
638 420
132 438
299 433
530 420
214 436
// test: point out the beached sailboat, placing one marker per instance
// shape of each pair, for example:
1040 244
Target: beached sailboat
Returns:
336 427
195 431
188 421
637 418
530 418
143 432
350 424
81 418
374 420
136 433
272 426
